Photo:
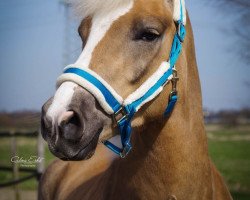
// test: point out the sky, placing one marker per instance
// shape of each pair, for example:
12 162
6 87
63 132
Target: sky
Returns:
38 39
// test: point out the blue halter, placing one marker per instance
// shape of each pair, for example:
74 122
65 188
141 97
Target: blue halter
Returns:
123 113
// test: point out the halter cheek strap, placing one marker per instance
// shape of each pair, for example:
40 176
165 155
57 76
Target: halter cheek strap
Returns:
122 111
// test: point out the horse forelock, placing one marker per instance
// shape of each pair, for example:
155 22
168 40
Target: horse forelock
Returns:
85 8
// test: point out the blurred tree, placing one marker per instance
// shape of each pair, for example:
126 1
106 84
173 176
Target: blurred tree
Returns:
240 11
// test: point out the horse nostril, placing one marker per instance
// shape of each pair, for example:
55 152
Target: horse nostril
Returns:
46 127
70 126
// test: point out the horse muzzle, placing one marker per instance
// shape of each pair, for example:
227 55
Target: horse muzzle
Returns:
73 133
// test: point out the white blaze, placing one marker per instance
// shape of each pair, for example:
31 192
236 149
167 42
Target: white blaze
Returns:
101 23
61 101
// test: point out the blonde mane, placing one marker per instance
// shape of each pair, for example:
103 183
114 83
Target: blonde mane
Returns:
85 8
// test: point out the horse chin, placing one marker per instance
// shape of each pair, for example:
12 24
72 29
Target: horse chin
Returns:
87 152
84 154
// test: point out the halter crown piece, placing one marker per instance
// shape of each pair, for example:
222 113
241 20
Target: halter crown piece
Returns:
121 110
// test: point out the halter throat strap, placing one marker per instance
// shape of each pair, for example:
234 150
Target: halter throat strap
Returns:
123 111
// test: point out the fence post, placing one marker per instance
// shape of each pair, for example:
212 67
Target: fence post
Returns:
15 165
40 153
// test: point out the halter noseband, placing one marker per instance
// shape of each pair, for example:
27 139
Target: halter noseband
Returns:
122 111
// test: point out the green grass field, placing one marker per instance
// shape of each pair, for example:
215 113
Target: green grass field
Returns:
229 148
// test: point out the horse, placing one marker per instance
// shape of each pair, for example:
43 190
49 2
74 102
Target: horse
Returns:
123 44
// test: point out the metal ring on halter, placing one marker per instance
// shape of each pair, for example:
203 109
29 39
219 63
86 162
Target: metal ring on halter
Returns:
120 115
125 151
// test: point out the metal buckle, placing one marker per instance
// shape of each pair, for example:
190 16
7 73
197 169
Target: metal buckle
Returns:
174 81
125 151
119 115
172 93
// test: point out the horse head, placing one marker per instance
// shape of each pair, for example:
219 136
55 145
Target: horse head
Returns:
124 43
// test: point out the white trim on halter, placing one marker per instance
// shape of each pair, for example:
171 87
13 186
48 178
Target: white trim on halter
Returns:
178 8
117 96
131 98
91 88
147 84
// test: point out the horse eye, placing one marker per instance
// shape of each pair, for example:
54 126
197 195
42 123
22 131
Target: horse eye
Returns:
149 35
